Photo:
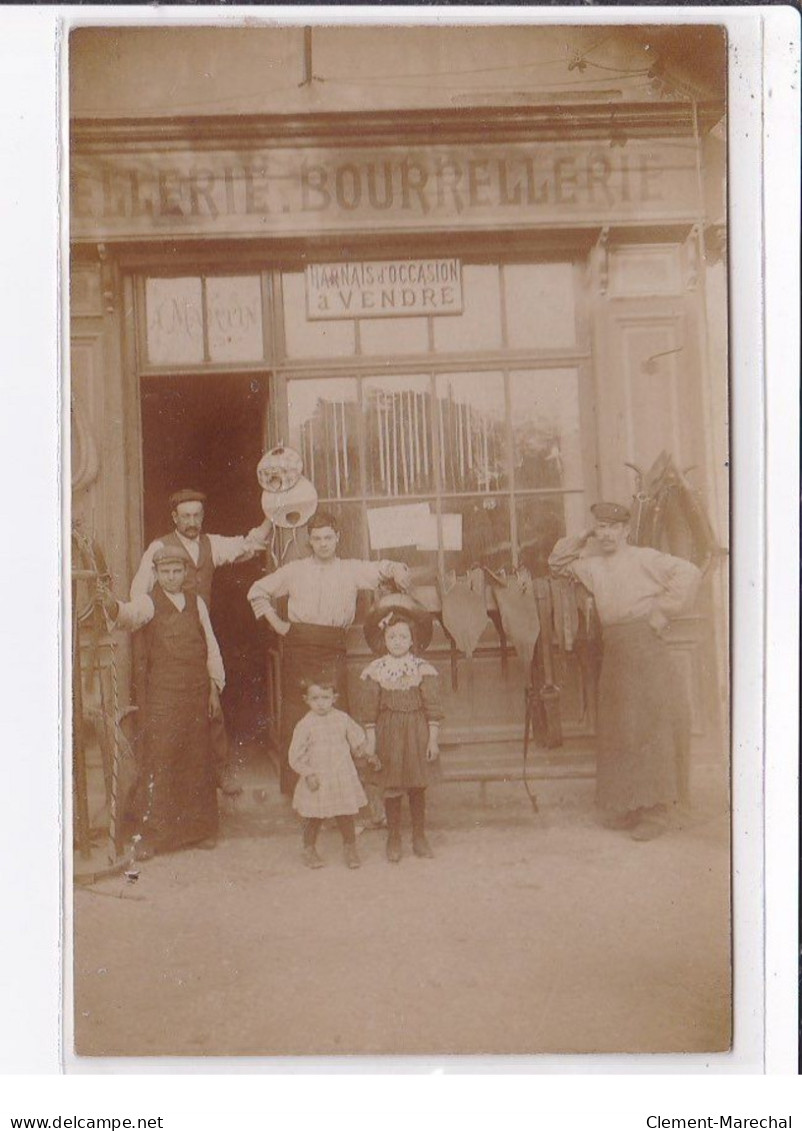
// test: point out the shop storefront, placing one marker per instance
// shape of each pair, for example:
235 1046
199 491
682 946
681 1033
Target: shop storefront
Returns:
468 340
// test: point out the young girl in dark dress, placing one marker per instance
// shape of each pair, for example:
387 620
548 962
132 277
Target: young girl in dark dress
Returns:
402 716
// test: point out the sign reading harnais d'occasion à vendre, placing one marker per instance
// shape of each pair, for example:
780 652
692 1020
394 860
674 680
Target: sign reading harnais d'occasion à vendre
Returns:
139 193
384 289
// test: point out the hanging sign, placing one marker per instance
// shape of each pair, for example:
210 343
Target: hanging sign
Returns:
385 289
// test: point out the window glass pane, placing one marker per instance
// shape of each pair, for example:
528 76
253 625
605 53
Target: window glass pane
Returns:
303 338
479 325
323 420
472 432
398 435
174 321
485 538
234 318
540 305
393 335
547 450
541 521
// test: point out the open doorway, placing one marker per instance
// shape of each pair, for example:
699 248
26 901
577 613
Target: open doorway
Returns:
207 432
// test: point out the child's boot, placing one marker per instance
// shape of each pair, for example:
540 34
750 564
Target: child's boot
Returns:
417 810
311 858
351 856
392 810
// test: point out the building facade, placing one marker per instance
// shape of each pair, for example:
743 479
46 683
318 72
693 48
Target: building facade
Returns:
469 308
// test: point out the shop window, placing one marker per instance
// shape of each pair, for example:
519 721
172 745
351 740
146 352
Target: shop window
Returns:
399 452
540 521
480 533
479 325
193 320
440 468
393 335
306 338
426 461
323 421
539 304
174 321
472 431
546 443
234 318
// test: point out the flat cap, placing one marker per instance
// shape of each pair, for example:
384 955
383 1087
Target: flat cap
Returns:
186 496
610 512
165 554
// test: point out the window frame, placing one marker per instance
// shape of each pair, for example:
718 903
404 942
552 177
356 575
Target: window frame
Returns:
282 370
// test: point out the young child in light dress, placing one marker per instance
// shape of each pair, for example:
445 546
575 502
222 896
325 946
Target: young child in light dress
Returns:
324 744
402 716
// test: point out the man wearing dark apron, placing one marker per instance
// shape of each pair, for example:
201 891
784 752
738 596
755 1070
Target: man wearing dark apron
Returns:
643 715
174 803
203 554
322 590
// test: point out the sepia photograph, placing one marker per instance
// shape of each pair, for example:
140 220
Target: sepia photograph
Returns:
399 526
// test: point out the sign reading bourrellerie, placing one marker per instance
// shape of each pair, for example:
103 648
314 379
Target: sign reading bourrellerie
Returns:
385 289
294 191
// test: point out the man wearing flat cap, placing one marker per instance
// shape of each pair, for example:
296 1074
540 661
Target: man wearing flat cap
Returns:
174 802
643 715
204 553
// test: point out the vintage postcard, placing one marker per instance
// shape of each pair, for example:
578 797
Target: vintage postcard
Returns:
400 540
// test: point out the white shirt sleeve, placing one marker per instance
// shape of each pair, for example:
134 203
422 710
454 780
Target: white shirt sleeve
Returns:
145 576
300 748
214 661
272 585
135 613
679 578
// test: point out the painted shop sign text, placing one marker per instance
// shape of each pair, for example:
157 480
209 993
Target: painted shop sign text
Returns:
281 191
386 289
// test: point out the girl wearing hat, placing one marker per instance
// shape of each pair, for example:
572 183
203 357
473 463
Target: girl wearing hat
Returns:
403 713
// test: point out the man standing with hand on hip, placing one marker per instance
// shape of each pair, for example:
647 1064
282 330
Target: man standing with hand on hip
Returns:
644 716
204 553
322 591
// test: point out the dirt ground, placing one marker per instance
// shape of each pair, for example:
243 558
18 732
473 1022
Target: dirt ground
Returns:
526 934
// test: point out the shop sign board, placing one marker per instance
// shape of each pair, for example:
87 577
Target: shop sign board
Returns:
301 191
390 288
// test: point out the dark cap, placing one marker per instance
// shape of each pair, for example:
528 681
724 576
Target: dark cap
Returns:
186 496
610 512
167 553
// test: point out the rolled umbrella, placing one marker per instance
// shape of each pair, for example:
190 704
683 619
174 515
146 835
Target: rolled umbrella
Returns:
549 691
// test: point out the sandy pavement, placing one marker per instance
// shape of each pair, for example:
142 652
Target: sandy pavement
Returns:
526 934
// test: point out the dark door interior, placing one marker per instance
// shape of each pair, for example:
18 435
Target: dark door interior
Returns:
206 432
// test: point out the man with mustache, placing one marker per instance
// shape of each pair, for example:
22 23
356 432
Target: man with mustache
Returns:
643 715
